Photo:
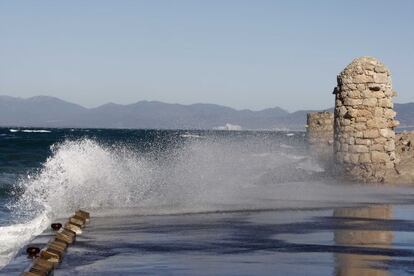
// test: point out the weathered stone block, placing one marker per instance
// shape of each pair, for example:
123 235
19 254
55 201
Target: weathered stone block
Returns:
390 145
393 123
372 123
380 140
346 122
358 148
365 158
342 111
360 119
362 79
380 78
364 113
378 112
377 147
380 69
371 133
378 95
358 134
379 157
352 102
361 87
389 113
359 141
390 165
370 102
355 94
387 133
354 158
360 126
385 103
351 141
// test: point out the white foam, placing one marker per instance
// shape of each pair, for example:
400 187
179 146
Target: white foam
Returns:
36 131
187 135
229 127
30 130
13 237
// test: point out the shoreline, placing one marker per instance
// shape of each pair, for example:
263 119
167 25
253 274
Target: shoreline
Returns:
186 244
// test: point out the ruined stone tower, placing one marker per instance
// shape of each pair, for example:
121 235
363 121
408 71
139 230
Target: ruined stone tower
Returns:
364 137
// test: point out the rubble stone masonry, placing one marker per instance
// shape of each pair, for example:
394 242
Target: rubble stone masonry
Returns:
364 137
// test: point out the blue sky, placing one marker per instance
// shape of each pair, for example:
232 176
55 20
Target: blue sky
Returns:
243 54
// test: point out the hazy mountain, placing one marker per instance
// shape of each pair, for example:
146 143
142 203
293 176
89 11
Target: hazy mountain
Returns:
43 111
37 111
405 114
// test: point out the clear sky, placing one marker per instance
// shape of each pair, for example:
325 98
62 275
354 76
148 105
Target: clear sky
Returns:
244 54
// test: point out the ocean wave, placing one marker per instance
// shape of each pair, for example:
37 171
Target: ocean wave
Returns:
30 130
200 175
14 236
187 135
7 181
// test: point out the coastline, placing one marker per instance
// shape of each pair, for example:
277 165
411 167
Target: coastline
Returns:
254 242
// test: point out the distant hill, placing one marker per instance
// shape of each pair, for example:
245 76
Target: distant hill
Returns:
44 111
405 114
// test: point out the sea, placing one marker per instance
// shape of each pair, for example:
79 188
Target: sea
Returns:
199 202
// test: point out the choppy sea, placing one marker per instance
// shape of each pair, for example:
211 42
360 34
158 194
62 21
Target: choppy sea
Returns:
175 202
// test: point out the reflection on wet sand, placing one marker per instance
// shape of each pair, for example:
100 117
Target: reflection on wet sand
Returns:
361 230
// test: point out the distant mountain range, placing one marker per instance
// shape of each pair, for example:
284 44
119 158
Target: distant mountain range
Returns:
45 111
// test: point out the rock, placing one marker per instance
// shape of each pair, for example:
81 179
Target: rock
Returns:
365 158
380 78
371 133
358 149
362 79
380 69
390 146
352 102
379 157
370 102
387 133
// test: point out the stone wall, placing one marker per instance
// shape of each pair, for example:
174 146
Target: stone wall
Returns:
364 137
320 135
404 149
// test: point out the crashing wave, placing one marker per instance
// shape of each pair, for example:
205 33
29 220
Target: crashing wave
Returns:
229 127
